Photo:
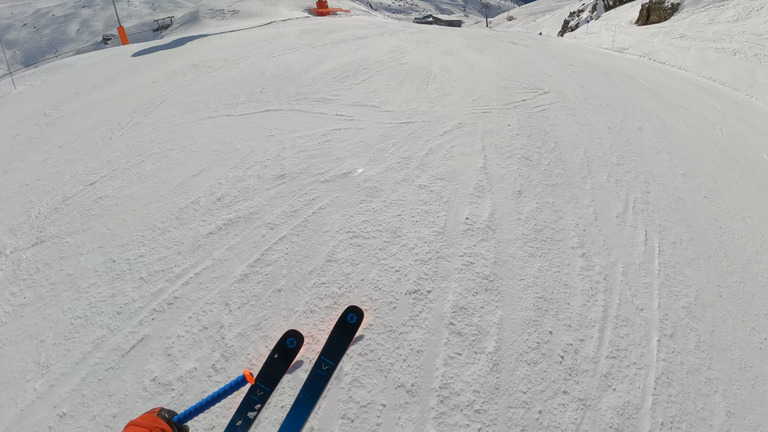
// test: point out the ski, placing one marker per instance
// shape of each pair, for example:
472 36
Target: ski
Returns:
272 371
335 347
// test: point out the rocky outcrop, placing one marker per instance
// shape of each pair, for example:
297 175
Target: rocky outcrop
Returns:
612 4
656 11
584 13
588 11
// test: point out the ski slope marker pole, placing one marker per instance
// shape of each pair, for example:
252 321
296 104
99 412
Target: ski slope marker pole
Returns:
10 72
215 397
120 28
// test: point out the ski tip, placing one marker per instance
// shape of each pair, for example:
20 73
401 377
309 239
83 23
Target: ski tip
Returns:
353 315
292 332
293 339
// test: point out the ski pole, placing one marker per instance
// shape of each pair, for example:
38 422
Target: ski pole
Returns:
215 397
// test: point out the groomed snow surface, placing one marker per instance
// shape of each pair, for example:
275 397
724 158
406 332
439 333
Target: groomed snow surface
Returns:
545 236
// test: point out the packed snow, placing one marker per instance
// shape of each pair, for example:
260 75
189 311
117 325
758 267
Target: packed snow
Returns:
721 41
546 234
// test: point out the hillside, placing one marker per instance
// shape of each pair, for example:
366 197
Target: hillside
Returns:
721 41
37 30
34 31
545 233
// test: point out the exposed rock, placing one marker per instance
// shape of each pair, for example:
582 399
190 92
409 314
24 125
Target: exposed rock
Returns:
612 4
656 11
588 11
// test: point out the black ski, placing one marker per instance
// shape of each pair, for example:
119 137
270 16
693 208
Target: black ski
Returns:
335 346
272 371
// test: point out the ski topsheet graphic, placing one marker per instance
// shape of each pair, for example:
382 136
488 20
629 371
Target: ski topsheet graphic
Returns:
335 347
265 382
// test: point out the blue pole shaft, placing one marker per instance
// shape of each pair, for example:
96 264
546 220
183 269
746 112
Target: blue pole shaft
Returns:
212 399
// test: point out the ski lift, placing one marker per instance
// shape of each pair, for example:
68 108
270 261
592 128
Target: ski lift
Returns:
163 23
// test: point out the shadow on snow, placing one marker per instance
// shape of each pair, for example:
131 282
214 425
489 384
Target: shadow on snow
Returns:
176 43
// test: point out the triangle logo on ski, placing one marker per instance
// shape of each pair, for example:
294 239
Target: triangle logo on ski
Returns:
272 371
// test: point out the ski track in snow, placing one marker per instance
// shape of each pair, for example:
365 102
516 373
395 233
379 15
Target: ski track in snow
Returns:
526 260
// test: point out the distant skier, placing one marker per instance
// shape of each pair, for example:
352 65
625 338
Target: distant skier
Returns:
155 420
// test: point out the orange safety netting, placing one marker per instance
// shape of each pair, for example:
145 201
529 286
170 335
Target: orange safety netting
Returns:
319 11
322 9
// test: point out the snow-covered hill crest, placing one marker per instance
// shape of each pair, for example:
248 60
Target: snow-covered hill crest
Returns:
447 7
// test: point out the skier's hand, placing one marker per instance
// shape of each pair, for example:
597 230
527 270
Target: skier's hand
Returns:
157 419
167 416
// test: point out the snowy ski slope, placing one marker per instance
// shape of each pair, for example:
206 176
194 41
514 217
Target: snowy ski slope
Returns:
545 236
720 40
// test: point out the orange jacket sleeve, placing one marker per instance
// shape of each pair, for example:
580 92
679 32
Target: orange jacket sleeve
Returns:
148 422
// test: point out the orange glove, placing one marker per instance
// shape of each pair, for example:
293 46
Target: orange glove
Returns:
155 420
